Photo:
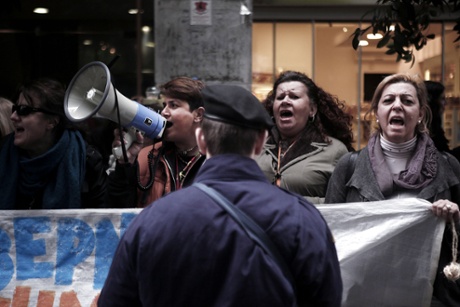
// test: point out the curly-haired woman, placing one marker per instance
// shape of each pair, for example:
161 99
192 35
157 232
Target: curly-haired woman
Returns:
312 133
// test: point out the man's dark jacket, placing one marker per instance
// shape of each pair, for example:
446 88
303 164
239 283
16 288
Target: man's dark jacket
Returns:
184 250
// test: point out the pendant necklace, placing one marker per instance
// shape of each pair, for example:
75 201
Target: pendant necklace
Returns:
180 175
184 153
280 156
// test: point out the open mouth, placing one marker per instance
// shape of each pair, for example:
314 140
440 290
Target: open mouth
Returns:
286 114
398 121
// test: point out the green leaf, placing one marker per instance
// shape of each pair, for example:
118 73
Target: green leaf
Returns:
384 41
390 51
355 42
413 61
411 19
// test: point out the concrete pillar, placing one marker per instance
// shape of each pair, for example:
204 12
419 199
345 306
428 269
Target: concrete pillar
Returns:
209 40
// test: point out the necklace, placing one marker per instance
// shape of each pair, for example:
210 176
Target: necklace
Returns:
185 152
281 154
180 176
185 159
283 147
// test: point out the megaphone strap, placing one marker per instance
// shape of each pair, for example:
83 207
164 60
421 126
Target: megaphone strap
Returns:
152 169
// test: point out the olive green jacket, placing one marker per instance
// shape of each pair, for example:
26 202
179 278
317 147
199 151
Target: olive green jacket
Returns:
308 172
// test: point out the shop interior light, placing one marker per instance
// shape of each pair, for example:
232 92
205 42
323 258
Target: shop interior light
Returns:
363 43
41 10
374 36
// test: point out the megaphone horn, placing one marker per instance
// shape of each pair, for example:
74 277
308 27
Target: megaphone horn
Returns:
91 94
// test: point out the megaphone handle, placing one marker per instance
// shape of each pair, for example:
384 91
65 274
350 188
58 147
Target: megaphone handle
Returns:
128 137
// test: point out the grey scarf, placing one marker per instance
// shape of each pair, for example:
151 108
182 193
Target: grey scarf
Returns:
420 172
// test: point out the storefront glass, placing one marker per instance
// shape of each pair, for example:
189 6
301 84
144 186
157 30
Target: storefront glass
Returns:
324 52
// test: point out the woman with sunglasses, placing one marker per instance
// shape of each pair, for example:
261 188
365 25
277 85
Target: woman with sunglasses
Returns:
46 160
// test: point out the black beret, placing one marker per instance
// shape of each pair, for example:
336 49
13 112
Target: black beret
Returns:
235 105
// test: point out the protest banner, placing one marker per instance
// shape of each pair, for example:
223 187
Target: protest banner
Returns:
57 257
388 253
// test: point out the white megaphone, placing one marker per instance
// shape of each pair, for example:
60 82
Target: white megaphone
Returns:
91 93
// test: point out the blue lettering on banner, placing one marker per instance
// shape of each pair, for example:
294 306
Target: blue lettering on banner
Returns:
6 264
27 248
75 243
126 219
106 244
107 240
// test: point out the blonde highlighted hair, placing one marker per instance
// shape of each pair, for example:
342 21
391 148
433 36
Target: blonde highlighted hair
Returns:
6 125
422 97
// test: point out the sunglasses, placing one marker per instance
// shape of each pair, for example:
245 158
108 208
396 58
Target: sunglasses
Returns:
24 110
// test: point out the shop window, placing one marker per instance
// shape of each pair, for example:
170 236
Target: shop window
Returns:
323 51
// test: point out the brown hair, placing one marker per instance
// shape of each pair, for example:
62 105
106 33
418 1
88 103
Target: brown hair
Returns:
331 118
47 94
186 89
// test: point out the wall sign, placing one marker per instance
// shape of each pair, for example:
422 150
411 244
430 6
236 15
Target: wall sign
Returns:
200 12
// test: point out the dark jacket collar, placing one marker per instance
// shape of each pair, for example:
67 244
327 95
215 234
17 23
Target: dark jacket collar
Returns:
230 167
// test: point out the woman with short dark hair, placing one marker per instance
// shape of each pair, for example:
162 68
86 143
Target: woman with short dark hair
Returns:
155 170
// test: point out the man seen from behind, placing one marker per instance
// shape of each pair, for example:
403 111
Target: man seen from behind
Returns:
185 250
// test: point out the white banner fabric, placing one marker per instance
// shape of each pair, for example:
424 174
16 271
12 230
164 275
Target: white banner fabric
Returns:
388 251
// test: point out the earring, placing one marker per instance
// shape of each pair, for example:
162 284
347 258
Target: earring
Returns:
419 121
312 118
377 120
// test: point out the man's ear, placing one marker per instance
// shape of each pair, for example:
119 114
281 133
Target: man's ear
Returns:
200 141
198 115
260 142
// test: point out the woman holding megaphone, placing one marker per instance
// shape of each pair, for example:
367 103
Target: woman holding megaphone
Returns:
152 171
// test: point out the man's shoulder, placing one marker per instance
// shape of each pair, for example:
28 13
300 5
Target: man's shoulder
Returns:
176 200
